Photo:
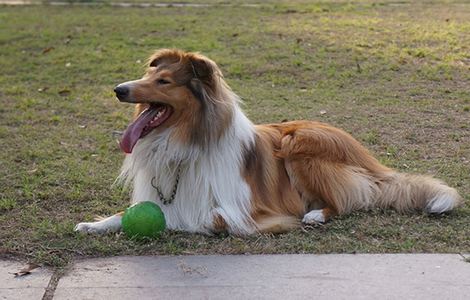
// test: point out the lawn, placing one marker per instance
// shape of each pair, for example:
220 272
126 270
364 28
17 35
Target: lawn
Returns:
395 75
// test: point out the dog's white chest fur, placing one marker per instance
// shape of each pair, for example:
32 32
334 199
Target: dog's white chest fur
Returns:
210 184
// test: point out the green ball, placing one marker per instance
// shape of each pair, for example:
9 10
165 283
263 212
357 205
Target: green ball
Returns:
144 219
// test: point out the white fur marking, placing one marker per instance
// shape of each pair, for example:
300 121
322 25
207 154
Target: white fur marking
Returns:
314 217
442 202
110 224
210 178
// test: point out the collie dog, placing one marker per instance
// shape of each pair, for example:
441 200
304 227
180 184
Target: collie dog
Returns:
193 151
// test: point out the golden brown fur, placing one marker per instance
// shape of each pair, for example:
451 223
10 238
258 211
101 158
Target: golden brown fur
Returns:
292 167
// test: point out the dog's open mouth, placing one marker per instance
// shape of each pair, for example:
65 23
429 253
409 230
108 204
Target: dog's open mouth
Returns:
148 120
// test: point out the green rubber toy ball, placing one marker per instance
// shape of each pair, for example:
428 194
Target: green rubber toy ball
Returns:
144 219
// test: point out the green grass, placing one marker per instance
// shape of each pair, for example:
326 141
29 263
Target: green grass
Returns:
394 75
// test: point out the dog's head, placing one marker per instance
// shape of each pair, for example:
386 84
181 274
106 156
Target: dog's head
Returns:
182 91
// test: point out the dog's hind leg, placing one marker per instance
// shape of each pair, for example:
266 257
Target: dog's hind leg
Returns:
333 173
339 189
109 224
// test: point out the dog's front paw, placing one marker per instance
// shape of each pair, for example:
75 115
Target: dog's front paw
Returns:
92 228
105 225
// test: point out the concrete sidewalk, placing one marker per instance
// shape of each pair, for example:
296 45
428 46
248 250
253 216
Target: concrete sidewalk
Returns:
342 276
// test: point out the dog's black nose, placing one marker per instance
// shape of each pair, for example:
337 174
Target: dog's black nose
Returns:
121 92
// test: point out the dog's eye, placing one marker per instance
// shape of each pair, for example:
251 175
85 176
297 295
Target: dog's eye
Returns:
163 81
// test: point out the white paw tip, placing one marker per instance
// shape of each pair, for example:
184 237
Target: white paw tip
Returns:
85 228
442 203
314 217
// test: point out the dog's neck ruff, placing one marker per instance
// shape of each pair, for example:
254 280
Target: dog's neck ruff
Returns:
210 184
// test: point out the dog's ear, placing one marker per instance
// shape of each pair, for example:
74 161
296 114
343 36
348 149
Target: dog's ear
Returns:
167 56
202 68
154 62
204 76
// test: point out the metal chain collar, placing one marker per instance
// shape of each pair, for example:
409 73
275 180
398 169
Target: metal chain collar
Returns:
167 201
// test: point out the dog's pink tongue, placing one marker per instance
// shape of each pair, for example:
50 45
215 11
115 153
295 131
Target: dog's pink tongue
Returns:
135 130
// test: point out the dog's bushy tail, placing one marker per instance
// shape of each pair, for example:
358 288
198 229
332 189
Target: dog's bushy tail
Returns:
406 192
